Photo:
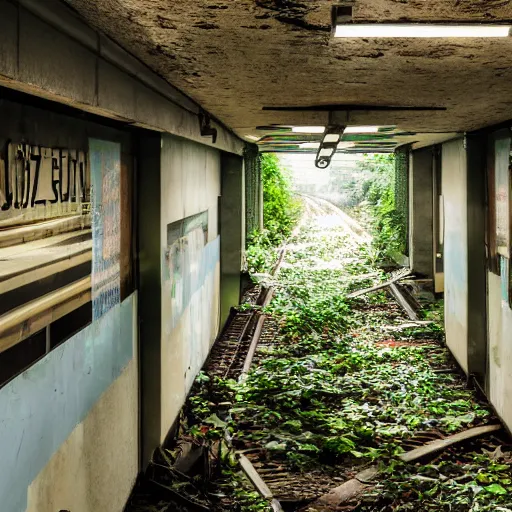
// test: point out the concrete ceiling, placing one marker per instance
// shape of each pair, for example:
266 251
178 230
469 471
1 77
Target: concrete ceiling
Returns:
237 56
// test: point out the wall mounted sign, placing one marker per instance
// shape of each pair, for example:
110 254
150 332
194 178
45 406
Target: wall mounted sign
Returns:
37 183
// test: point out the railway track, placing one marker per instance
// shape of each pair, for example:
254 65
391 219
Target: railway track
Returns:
250 330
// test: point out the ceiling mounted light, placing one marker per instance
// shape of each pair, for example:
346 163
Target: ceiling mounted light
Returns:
327 149
363 129
420 30
344 26
308 129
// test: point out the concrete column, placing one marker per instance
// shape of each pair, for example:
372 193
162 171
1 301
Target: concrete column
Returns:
421 243
253 189
150 297
477 273
232 230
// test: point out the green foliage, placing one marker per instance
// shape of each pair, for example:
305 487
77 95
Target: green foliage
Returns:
280 209
388 226
343 384
260 253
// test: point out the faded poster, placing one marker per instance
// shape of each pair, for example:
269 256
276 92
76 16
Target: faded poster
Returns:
105 158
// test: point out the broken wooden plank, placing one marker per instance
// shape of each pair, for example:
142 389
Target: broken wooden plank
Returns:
368 475
397 277
441 444
354 487
339 495
397 294
410 325
254 477
258 482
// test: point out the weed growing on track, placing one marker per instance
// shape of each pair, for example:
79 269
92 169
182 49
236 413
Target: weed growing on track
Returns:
344 385
338 389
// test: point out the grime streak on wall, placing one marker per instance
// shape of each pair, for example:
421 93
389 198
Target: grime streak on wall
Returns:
38 183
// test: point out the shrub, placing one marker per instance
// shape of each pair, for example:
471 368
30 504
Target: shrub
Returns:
281 209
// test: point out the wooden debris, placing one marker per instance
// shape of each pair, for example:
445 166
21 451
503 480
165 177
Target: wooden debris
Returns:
188 456
252 349
258 482
441 444
354 487
397 294
173 494
409 325
368 475
402 274
337 496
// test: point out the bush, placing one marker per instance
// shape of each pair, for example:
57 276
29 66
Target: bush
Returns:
281 209
389 229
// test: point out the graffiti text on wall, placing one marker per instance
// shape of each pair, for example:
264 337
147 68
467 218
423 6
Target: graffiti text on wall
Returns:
33 176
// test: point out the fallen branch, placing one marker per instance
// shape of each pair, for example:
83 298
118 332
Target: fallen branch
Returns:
402 274
353 488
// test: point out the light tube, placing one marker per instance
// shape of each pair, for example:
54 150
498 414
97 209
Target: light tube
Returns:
362 129
420 30
308 129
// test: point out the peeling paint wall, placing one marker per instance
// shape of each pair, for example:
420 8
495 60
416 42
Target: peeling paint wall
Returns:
454 170
190 263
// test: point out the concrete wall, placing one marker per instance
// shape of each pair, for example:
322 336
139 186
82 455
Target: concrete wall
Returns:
48 51
68 437
421 243
190 263
477 272
232 221
454 171
499 313
500 350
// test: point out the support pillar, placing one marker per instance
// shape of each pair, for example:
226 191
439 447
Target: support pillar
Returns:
421 226
150 300
477 265
232 231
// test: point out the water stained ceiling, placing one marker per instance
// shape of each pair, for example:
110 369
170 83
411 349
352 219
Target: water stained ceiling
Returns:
239 58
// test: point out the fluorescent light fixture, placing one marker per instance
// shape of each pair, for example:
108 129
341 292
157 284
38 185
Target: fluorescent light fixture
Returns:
308 129
310 145
362 129
420 30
